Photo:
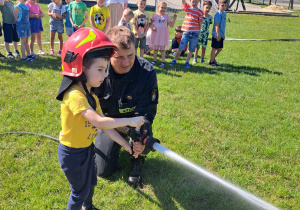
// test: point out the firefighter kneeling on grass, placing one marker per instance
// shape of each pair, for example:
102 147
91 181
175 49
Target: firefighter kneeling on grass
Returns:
130 89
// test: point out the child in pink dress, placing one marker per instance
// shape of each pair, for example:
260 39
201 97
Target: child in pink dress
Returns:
160 37
35 15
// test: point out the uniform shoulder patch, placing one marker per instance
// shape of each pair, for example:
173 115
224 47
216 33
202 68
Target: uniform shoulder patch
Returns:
145 64
154 94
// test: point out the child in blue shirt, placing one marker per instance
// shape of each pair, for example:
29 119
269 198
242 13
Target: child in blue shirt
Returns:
68 24
218 33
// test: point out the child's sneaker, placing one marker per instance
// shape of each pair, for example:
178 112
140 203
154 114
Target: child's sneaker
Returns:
162 65
33 56
2 56
187 65
217 63
27 59
173 62
41 52
153 62
51 52
10 55
194 62
16 54
202 61
213 64
59 53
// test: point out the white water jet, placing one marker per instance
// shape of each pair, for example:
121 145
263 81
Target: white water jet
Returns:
251 198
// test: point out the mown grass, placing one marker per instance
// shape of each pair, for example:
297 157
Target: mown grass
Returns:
240 121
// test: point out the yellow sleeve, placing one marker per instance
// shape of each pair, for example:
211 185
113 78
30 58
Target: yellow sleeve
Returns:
77 102
107 12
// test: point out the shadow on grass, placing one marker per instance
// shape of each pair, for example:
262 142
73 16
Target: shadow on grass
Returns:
177 187
206 69
18 66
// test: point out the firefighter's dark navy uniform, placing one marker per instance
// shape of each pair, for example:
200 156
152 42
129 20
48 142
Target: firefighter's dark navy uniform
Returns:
132 94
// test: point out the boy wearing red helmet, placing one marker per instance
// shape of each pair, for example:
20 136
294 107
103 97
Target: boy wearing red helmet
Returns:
85 58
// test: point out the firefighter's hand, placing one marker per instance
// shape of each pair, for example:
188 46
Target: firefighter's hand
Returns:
136 121
138 148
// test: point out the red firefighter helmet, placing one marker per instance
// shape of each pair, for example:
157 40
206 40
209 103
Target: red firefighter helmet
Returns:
78 44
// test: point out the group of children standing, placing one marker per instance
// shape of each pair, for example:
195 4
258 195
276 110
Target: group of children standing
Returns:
25 20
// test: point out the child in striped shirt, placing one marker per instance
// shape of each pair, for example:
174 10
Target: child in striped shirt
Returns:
191 27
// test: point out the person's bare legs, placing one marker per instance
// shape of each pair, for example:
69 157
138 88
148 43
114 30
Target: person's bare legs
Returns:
142 52
32 40
39 40
163 55
155 55
52 37
212 55
61 41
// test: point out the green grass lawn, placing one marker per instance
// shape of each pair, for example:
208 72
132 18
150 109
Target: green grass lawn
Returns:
240 121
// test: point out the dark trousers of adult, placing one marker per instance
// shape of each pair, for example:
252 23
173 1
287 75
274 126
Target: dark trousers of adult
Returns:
79 168
106 154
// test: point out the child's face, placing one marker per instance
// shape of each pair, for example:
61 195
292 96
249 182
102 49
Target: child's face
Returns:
22 1
97 72
128 18
195 3
178 34
32 1
206 9
68 1
222 7
100 3
141 5
162 9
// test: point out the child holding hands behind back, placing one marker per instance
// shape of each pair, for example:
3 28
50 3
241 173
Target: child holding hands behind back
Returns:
159 39
85 57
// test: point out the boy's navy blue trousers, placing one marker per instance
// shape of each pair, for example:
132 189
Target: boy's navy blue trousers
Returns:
79 168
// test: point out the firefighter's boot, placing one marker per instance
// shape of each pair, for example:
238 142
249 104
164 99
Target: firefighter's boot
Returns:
135 175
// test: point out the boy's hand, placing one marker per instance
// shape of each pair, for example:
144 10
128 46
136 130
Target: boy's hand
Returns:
175 15
218 37
136 121
37 16
153 28
127 147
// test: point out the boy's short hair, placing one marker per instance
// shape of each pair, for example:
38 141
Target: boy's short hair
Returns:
222 2
207 2
178 29
121 36
91 55
128 11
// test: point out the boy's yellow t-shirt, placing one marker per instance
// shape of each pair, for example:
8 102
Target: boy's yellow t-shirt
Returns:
77 132
100 15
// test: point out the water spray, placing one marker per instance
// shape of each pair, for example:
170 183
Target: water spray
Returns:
154 145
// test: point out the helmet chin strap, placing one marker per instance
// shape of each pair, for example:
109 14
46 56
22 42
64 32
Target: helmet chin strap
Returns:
89 96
